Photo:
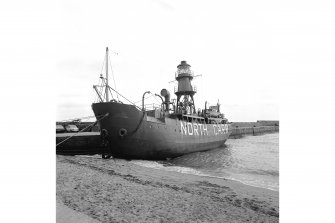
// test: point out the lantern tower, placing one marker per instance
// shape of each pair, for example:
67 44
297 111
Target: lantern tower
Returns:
185 91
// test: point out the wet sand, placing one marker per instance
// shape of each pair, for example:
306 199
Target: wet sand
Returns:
120 191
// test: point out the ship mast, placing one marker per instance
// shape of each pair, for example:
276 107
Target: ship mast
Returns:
106 89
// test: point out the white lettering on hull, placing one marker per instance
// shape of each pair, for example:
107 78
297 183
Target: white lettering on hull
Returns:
195 129
183 129
188 128
200 128
205 129
224 128
219 130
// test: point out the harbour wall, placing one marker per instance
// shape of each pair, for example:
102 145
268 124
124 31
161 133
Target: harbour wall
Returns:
239 129
238 132
259 123
83 143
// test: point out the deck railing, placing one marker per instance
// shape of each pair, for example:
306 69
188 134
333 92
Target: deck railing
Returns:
152 106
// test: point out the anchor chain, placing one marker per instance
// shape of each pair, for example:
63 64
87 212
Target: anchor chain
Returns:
105 145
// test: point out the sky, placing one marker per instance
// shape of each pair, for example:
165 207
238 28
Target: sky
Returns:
261 59
236 46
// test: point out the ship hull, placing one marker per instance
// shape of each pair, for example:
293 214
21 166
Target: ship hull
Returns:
135 135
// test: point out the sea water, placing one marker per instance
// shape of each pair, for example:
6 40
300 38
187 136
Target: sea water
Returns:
252 160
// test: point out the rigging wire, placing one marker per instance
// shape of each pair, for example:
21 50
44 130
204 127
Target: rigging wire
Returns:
124 97
101 88
103 79
95 97
103 64
105 83
144 99
159 102
97 93
112 94
110 88
110 63
102 92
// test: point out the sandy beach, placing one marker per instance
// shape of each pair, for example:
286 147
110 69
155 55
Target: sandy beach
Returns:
116 190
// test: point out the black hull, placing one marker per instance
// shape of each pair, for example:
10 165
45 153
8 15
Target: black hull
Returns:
134 135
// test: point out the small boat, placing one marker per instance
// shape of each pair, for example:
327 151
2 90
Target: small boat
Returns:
170 130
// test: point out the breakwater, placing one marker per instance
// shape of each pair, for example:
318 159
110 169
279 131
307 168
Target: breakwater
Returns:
238 132
240 129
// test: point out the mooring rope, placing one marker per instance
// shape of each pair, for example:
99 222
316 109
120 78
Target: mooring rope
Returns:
82 130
